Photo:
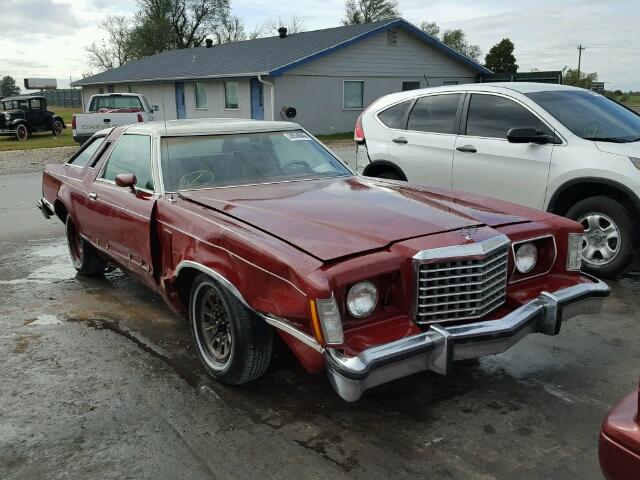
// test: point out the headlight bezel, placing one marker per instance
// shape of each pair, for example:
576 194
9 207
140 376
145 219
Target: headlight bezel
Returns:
547 257
362 285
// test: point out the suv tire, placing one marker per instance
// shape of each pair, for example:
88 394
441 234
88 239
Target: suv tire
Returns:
608 247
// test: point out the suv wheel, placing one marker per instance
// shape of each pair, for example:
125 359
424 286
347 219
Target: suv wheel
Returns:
608 243
234 345
22 132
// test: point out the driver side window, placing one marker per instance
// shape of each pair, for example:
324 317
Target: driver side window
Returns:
132 154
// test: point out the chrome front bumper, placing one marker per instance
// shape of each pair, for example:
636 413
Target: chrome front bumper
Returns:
45 208
438 347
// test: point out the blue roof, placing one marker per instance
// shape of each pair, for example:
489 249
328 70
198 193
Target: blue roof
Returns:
267 56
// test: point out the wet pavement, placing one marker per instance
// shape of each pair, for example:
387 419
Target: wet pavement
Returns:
100 380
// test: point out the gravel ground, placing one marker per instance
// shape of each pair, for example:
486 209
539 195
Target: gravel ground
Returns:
23 161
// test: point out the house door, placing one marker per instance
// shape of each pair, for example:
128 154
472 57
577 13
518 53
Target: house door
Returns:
257 100
181 110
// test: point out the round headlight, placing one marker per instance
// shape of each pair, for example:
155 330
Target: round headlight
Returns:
362 299
526 257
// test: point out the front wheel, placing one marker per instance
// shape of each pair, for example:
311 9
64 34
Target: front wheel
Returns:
22 132
608 243
84 257
234 345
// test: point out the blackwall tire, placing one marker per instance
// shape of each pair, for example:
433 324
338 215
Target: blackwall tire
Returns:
83 256
217 318
609 243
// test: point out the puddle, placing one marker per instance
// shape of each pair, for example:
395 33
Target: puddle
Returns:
55 266
45 320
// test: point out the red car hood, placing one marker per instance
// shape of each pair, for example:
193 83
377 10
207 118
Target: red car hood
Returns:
332 218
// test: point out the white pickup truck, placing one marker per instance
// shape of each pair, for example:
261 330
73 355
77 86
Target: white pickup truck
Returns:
111 110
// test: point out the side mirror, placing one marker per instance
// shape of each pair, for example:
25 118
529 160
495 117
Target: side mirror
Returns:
126 180
155 108
528 135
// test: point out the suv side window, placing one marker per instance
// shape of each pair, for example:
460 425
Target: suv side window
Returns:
493 116
81 158
393 117
132 154
435 114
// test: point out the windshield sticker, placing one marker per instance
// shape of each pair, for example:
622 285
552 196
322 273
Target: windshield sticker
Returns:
296 136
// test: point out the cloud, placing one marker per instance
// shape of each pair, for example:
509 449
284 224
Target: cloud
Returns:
39 18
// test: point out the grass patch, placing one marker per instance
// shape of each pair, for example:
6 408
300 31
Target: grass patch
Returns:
44 139
336 137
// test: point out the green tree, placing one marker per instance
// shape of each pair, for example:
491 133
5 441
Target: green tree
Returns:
431 28
500 58
366 11
570 76
457 40
8 86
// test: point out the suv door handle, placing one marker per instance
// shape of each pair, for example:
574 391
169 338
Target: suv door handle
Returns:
467 148
400 140
92 195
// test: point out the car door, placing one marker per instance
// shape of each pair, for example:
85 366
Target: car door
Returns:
36 114
121 216
486 163
424 151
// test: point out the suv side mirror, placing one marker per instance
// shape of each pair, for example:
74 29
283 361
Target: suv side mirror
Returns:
126 180
528 135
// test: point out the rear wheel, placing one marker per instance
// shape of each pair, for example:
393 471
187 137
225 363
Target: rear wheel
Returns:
56 128
22 133
84 257
608 243
234 345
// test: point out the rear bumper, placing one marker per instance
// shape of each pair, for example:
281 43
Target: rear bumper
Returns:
437 348
45 208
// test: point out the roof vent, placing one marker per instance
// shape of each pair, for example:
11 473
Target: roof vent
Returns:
209 42
283 32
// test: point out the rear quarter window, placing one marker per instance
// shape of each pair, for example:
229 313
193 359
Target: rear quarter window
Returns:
393 117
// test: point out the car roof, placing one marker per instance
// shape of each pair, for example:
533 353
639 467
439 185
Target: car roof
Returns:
23 97
212 126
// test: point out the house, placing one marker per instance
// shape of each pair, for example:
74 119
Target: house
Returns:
323 79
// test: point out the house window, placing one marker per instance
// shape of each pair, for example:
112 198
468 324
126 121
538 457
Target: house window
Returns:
100 90
231 95
110 89
406 86
353 95
201 95
450 82
130 88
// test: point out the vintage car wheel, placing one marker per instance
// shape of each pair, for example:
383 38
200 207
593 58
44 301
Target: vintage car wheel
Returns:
56 128
22 133
608 244
83 256
233 344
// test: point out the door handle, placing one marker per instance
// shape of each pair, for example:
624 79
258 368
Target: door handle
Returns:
467 148
400 140
92 195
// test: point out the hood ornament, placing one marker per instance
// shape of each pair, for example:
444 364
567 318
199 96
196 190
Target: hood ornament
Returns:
467 232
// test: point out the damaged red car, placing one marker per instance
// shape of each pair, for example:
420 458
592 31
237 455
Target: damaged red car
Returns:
252 229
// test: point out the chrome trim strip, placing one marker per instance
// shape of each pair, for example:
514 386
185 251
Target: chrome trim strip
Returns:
513 253
437 348
286 327
467 250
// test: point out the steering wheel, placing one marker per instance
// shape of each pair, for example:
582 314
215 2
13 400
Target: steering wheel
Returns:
197 178
296 167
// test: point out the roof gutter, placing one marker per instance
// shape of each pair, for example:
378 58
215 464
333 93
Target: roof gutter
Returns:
272 95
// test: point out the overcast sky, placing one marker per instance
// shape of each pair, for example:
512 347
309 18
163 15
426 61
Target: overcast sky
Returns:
46 38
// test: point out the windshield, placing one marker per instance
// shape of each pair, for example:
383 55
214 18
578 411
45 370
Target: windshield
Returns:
243 159
115 102
590 115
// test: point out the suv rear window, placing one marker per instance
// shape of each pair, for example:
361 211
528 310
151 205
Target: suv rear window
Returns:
435 114
393 116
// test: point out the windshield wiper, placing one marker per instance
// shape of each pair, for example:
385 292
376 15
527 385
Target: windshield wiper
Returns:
608 139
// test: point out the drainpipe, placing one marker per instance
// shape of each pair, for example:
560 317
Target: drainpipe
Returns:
273 98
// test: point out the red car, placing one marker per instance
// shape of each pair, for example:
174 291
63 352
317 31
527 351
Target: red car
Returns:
620 440
251 228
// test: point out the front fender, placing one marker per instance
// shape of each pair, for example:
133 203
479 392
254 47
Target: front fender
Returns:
58 117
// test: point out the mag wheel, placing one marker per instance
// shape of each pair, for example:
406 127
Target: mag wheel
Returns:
233 344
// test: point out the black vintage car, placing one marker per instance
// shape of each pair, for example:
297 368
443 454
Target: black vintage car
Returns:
24 115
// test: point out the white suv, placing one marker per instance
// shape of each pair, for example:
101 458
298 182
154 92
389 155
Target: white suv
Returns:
563 149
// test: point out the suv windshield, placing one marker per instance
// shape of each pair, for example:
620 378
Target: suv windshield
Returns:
243 159
590 115
115 102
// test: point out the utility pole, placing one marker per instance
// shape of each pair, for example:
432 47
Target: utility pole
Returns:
580 49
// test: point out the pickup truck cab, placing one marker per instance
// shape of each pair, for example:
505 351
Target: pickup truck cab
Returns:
111 110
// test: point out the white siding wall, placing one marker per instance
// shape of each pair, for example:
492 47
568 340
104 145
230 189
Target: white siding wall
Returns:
315 89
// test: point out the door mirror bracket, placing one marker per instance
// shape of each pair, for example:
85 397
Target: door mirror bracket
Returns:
126 180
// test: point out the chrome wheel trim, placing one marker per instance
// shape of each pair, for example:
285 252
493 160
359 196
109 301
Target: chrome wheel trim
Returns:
211 322
22 137
74 241
601 240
